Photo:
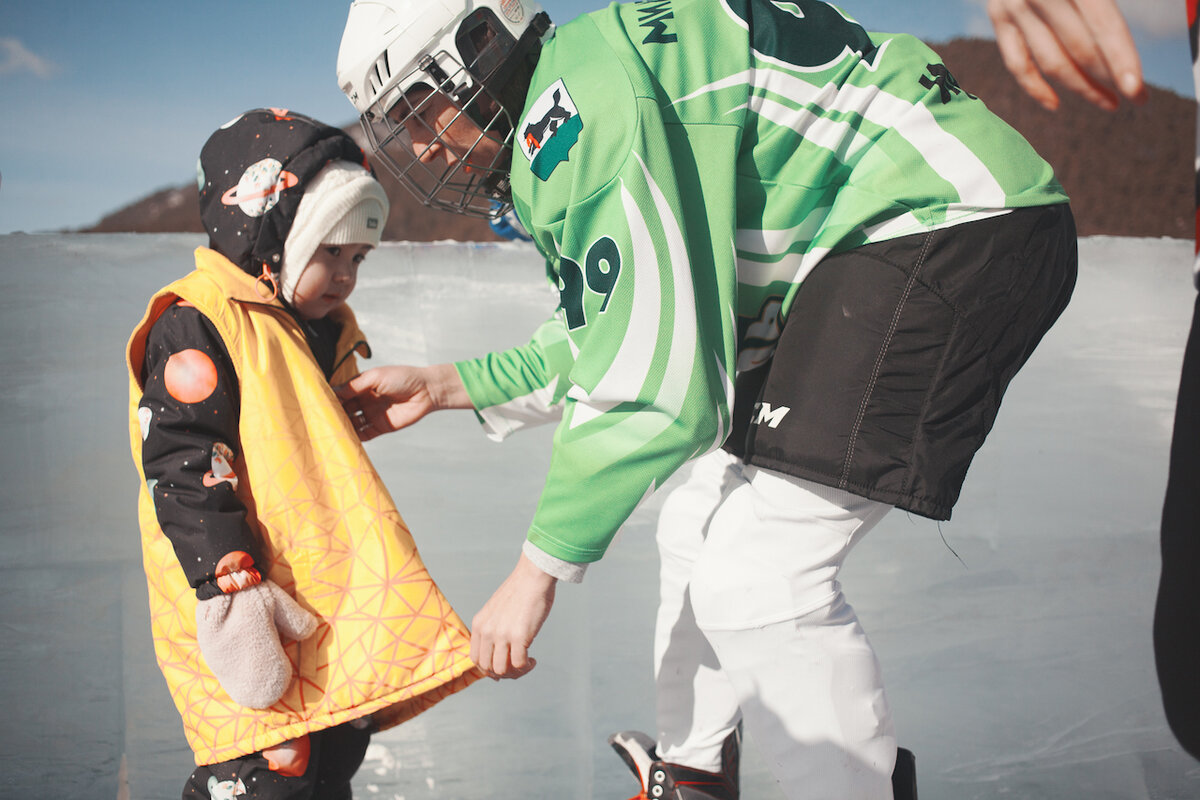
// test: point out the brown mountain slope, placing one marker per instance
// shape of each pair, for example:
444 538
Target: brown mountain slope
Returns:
177 210
1129 173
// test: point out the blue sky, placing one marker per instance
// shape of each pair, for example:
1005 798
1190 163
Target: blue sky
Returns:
104 103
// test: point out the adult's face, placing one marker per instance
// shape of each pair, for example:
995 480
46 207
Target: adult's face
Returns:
440 131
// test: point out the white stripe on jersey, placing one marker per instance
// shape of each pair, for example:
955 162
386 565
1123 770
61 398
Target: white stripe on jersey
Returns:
630 368
837 136
774 242
792 268
952 160
625 376
536 408
778 263
907 224
722 410
685 330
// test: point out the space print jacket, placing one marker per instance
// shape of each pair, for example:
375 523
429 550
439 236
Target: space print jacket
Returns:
191 403
683 165
389 644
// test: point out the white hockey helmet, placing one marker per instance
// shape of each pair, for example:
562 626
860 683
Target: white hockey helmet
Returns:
479 54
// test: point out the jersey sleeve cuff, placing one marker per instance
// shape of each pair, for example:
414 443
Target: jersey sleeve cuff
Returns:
568 571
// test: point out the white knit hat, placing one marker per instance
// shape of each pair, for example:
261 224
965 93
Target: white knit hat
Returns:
343 204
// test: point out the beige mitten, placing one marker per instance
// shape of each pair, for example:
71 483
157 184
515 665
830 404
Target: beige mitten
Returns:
239 636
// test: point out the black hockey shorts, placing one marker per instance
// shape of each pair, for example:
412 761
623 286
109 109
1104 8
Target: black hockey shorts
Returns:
894 357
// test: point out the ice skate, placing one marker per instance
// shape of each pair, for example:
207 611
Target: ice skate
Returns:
661 780
904 776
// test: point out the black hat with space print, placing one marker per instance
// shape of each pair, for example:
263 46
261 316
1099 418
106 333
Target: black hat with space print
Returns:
251 175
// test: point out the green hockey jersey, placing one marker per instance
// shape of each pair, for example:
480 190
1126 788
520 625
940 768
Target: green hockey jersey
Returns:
683 165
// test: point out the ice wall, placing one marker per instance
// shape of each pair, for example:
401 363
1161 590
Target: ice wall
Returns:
1015 638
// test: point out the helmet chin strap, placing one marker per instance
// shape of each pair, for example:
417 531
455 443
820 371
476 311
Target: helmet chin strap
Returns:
441 80
463 95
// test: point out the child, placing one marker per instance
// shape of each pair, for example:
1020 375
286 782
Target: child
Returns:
262 518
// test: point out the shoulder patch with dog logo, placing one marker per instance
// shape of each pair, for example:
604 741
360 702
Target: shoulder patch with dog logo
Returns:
550 130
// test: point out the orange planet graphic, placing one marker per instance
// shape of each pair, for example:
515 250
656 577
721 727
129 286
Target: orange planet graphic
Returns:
190 376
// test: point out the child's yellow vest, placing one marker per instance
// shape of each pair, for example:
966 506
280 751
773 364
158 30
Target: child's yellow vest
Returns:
389 643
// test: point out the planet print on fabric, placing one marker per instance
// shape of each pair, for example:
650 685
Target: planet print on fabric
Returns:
144 417
258 189
190 376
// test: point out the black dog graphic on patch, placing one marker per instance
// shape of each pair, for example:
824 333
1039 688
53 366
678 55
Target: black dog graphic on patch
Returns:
538 132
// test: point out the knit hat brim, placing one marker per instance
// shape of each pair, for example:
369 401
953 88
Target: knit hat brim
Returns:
343 204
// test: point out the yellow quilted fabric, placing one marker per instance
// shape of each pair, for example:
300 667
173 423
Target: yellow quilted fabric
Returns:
389 642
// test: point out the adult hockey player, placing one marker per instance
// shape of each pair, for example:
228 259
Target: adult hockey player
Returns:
795 252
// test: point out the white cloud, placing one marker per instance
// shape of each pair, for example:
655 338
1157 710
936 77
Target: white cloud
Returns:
16 57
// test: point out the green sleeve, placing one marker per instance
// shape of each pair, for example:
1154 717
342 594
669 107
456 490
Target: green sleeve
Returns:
523 386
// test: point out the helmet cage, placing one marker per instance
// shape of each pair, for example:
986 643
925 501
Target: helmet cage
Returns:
482 66
474 185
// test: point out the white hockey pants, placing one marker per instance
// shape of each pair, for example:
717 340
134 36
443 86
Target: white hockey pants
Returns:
752 626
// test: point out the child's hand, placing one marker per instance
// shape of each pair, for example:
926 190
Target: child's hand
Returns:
386 399
239 637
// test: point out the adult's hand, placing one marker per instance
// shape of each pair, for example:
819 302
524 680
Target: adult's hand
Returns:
504 629
386 399
1082 45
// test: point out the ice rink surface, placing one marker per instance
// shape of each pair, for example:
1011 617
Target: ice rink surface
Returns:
1015 639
